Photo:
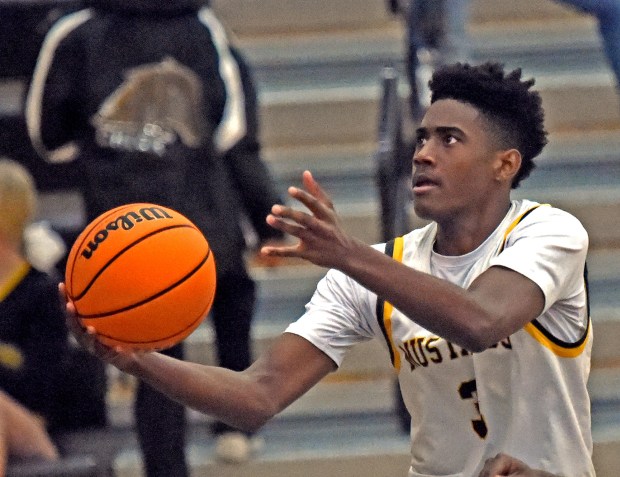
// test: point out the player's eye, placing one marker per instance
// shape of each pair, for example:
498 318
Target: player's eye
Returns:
420 141
449 139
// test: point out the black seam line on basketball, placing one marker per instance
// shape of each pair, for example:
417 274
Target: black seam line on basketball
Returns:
163 338
153 297
93 226
155 232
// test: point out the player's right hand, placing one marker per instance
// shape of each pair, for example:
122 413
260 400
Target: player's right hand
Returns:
86 336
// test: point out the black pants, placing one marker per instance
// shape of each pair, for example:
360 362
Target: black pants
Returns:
161 422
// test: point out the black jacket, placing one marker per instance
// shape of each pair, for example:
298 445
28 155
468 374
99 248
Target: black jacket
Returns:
204 162
33 345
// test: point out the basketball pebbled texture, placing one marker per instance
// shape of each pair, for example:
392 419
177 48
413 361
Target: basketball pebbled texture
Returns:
142 275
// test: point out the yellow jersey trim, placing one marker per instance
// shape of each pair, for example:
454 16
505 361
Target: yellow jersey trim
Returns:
516 222
388 308
561 350
14 279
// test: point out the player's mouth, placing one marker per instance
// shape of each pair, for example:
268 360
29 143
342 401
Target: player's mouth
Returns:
423 183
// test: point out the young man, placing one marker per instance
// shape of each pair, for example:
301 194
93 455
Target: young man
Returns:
484 311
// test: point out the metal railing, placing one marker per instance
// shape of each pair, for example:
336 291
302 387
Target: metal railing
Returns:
393 166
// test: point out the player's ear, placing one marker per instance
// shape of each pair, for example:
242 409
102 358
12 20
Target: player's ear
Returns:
507 165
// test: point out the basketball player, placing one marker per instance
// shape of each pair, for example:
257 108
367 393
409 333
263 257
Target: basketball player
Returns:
484 311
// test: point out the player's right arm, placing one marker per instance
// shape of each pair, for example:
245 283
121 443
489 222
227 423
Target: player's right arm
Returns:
245 400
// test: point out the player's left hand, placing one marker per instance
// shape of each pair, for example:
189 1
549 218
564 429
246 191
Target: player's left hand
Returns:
503 465
322 239
260 260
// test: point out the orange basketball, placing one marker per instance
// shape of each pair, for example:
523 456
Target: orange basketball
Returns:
142 275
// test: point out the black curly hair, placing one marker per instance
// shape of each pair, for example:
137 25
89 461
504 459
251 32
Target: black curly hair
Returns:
514 113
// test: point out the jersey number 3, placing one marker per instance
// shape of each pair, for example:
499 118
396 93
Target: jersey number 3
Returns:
468 390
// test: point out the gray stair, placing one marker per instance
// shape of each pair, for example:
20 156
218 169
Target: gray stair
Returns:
320 446
358 36
344 114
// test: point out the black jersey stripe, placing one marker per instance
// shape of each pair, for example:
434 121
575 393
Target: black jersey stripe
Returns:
389 250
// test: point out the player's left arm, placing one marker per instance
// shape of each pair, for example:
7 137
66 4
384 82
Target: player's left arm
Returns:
498 303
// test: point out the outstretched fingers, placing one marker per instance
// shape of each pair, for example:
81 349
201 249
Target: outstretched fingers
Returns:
316 228
316 190
288 220
287 251
314 198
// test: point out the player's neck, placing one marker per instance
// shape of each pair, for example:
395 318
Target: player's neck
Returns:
466 232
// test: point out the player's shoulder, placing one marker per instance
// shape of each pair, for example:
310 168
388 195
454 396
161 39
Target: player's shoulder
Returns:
532 213
414 237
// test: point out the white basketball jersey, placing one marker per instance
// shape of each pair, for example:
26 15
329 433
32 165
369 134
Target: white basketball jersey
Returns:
526 395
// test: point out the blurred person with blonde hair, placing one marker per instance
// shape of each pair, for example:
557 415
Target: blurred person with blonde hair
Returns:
33 336
18 199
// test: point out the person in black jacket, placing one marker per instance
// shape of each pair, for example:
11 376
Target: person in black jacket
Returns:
153 104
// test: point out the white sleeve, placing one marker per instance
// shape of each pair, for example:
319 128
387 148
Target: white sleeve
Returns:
336 317
549 247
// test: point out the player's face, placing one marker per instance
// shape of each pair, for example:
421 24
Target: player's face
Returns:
453 174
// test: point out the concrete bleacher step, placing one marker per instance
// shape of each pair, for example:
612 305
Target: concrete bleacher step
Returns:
321 462
343 114
340 445
492 11
535 36
271 17
274 34
258 17
345 110
362 446
568 159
